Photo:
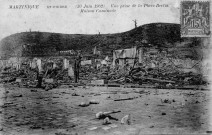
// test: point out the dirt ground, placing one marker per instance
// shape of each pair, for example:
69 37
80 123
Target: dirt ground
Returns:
30 111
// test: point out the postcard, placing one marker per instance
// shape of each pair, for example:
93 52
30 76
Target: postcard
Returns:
131 67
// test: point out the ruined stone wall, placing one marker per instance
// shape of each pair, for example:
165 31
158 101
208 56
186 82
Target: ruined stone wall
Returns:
163 61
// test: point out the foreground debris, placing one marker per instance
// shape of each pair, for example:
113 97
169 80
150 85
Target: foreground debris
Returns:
126 119
102 115
41 110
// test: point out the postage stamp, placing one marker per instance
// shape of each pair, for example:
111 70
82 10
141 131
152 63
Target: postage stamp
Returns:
195 19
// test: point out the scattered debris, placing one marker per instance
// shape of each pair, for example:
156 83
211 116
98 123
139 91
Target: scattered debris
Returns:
152 126
35 127
102 115
94 102
160 105
106 121
97 94
10 117
8 104
65 92
126 120
125 99
166 101
182 103
158 78
75 94
209 132
163 113
18 96
111 92
92 128
71 86
83 104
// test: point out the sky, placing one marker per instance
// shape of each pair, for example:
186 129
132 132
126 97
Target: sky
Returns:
71 21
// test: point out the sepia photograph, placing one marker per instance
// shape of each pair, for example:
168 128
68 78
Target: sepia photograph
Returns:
114 67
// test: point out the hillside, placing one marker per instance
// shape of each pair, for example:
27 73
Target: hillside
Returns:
162 35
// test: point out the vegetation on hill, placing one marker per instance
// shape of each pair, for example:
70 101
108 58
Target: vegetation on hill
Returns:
160 35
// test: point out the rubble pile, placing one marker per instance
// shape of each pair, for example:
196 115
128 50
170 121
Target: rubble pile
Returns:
12 75
137 75
153 75
88 72
54 72
163 77
62 76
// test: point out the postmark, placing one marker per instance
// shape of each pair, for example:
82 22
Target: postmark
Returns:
195 19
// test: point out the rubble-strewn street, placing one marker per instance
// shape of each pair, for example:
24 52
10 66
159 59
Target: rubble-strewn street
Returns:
72 110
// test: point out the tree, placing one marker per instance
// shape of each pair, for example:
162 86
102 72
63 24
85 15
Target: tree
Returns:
135 21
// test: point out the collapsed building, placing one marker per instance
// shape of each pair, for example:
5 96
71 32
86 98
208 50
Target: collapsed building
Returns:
138 64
